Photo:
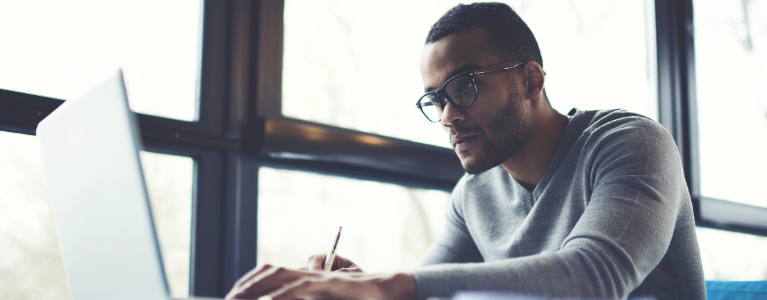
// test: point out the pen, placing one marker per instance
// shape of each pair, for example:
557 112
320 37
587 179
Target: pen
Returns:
332 253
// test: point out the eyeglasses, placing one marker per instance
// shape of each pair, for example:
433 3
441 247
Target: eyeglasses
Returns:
460 90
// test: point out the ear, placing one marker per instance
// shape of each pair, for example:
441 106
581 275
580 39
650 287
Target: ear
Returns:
535 80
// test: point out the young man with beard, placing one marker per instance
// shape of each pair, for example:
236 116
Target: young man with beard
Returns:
589 204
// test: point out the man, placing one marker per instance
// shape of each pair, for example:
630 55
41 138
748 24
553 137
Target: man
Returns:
592 204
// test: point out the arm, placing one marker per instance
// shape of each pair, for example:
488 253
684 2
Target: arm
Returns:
622 235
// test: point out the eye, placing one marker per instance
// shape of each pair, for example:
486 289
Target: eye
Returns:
466 84
431 100
462 91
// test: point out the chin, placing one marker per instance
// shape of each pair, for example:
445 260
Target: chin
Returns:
475 171
473 166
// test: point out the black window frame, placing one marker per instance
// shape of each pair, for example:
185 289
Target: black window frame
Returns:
241 128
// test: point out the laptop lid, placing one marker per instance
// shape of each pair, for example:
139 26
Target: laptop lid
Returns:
90 147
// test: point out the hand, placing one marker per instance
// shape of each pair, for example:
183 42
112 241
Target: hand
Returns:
287 284
340 264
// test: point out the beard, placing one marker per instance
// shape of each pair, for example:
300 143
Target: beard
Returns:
509 126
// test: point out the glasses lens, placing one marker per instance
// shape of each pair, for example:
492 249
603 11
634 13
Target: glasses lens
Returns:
461 90
430 106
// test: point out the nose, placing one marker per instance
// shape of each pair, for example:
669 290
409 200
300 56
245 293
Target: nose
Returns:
452 114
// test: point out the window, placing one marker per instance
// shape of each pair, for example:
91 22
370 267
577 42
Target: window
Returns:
59 49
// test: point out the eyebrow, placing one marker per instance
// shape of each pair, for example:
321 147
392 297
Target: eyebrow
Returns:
467 67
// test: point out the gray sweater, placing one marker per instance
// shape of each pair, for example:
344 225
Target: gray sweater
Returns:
610 218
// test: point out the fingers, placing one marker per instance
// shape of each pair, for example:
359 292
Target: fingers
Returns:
300 290
251 274
352 269
264 280
327 288
315 262
345 265
335 285
341 262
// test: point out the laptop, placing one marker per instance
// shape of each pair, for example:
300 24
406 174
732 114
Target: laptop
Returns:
90 149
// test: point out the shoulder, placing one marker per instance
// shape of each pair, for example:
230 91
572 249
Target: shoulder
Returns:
617 140
614 119
601 127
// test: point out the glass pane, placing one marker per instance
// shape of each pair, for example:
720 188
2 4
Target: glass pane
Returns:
170 183
30 259
595 53
732 256
385 227
58 48
731 65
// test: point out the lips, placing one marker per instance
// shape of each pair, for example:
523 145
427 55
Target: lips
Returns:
463 141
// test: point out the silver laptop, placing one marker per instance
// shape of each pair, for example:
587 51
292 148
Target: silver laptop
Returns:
100 205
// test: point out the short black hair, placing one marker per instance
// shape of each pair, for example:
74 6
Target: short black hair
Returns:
510 38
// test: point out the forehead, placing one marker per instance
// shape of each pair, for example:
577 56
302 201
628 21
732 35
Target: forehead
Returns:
455 53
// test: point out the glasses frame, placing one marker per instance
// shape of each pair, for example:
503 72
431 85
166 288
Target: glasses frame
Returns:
440 93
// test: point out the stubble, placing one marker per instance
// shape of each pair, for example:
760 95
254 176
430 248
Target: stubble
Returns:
509 126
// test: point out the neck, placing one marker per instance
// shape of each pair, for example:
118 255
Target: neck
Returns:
528 165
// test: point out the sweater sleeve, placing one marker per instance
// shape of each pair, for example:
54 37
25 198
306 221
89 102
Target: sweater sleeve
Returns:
455 244
636 184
